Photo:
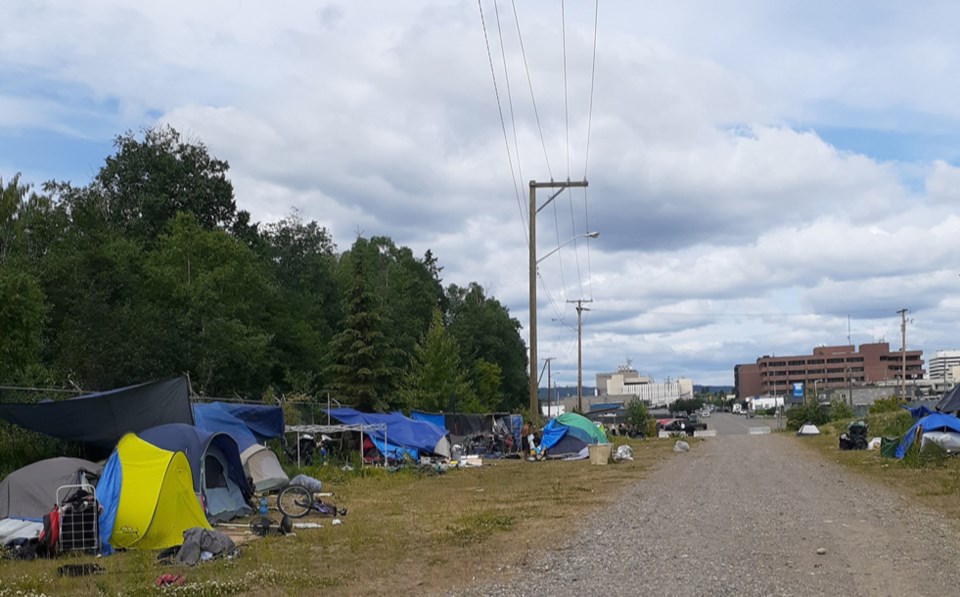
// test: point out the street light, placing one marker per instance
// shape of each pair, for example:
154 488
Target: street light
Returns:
581 235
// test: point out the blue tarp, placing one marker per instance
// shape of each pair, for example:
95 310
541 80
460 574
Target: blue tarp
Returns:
108 495
933 422
432 418
213 417
266 422
403 434
918 412
553 432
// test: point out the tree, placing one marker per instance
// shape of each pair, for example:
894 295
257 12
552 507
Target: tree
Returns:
485 330
435 380
146 183
637 413
360 367
22 312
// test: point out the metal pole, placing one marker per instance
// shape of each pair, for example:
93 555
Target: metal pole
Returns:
903 354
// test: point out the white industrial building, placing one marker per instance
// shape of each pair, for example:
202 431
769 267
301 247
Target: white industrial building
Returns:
944 366
627 383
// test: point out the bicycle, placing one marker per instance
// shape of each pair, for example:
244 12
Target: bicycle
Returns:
296 501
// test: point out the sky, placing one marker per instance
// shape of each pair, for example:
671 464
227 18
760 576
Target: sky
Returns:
765 177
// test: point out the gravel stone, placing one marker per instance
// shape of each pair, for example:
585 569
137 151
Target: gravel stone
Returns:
747 515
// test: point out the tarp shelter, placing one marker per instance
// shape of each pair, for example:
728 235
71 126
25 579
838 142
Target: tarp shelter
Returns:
934 422
259 462
570 433
462 425
215 466
406 435
917 412
147 497
264 422
101 419
808 429
31 492
950 403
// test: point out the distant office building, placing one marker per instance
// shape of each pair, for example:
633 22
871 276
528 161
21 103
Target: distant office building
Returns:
627 383
826 368
944 365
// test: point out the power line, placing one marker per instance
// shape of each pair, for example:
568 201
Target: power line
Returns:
566 102
503 125
533 98
593 77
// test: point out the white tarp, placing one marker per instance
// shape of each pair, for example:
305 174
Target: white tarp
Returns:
808 429
948 440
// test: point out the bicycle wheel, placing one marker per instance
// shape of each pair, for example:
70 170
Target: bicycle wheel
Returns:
294 501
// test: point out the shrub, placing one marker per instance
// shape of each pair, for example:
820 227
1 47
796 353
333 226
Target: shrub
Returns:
885 405
840 410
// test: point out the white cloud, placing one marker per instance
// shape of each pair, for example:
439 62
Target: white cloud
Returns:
730 228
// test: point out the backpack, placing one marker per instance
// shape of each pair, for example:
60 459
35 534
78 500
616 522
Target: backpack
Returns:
50 535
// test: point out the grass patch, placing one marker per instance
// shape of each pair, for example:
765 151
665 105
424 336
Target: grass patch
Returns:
403 534
930 477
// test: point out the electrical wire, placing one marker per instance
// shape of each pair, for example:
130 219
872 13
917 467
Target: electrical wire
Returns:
503 124
593 78
513 118
533 98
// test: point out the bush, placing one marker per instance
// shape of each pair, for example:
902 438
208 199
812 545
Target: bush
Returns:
809 412
840 410
886 405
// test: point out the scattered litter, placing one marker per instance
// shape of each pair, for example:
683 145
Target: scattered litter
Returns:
79 569
346 468
309 483
821 551
623 453
681 446
170 580
336 521
307 525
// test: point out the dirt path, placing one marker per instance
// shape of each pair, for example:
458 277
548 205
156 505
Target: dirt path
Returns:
747 515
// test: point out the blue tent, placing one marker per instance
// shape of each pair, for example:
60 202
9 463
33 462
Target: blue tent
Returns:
405 435
265 422
570 433
917 412
934 422
258 461
214 463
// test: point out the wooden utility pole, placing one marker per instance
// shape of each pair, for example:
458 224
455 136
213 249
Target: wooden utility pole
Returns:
903 354
532 214
580 310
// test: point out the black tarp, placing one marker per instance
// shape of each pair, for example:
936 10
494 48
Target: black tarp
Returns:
463 425
950 403
101 419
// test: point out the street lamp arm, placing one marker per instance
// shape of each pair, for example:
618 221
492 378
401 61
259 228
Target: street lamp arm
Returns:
582 235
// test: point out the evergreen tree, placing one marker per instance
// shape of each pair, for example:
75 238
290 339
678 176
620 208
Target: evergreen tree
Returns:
435 380
360 370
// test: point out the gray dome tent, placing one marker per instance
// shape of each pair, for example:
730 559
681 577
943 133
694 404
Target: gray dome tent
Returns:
31 491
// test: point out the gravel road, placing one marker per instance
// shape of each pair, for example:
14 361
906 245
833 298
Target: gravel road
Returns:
749 515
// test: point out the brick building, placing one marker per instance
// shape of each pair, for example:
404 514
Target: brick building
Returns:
827 367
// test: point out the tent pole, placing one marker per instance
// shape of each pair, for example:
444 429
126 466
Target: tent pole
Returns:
361 446
298 449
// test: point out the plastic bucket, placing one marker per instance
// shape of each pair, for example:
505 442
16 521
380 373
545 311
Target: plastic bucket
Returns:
599 453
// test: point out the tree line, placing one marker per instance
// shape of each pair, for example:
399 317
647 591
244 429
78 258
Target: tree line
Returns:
151 270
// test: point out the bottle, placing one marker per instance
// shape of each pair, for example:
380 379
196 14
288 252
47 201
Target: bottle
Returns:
263 505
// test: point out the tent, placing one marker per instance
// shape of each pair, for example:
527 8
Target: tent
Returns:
101 419
808 429
950 403
934 422
460 426
570 433
31 492
215 466
147 497
259 462
264 422
406 436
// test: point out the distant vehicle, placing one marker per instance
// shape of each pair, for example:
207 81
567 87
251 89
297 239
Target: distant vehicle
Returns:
737 409
681 424
705 413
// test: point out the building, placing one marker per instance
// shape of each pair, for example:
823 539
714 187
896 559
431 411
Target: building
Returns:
827 367
627 383
944 366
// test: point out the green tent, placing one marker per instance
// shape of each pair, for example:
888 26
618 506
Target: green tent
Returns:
570 433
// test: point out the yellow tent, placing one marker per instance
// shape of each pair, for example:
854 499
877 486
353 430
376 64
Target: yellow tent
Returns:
156 502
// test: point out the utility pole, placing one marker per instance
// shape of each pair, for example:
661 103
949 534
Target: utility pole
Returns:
903 354
580 310
548 359
532 214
